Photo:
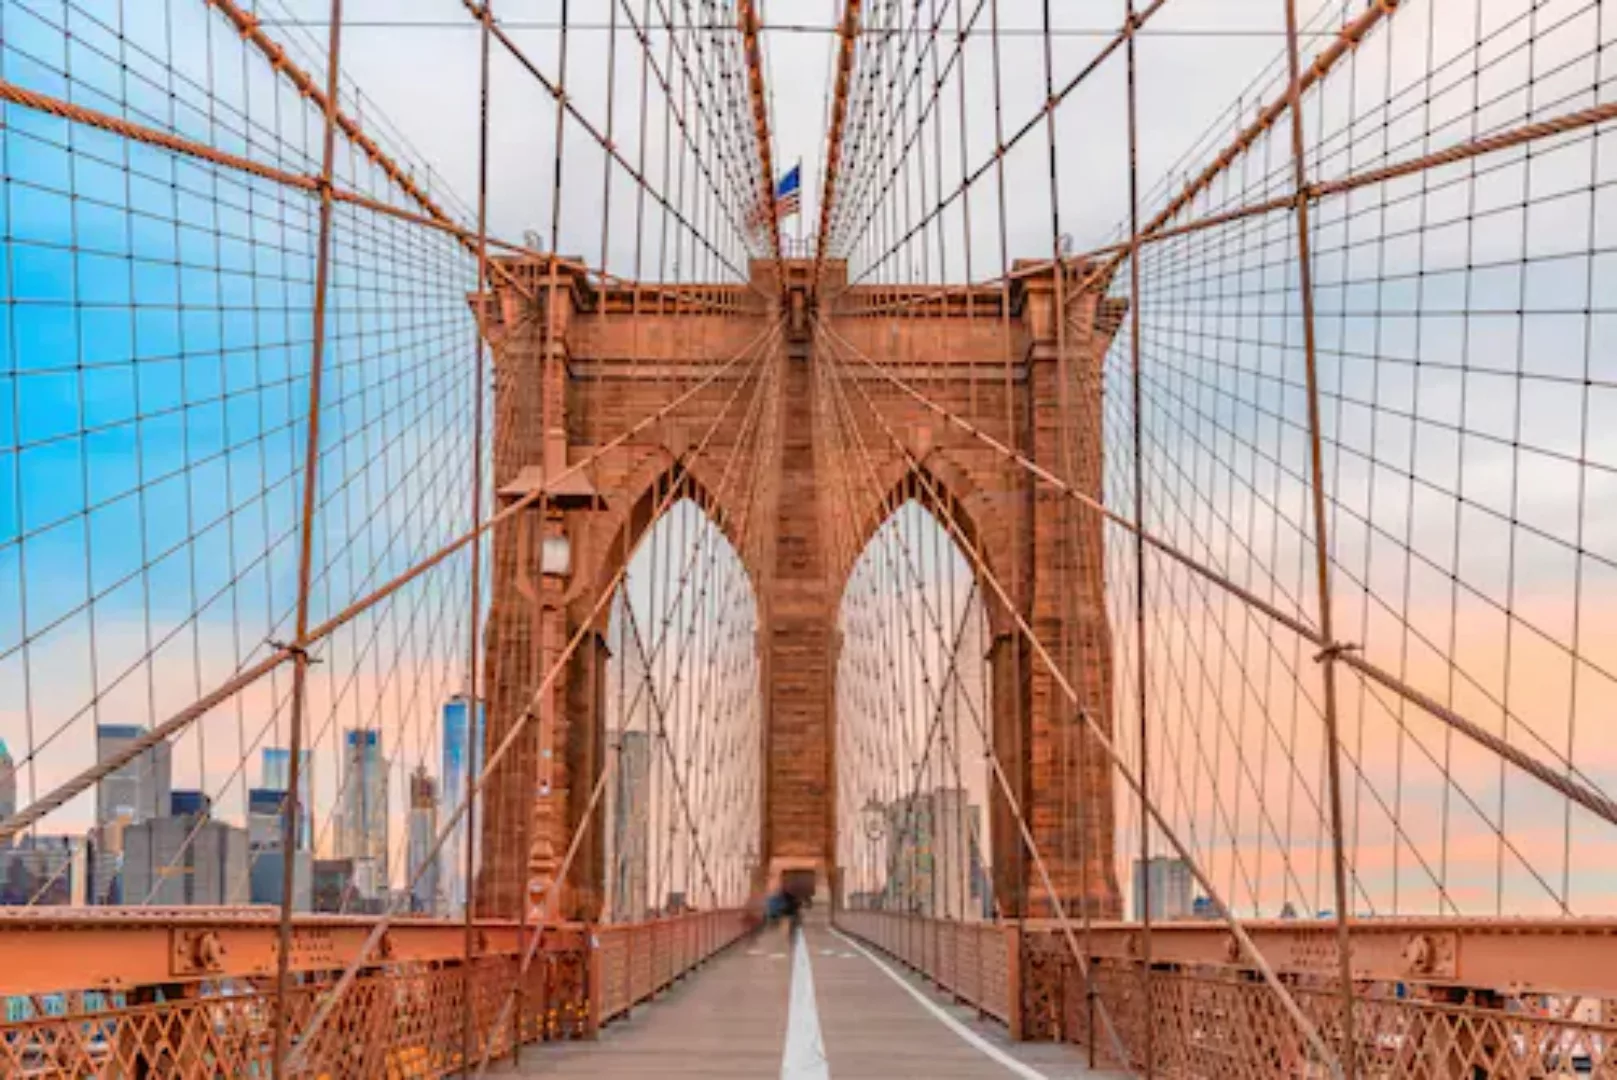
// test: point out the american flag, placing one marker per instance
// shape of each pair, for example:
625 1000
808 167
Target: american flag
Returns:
789 192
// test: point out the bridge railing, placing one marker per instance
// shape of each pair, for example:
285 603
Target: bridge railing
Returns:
630 962
162 992
976 962
1434 997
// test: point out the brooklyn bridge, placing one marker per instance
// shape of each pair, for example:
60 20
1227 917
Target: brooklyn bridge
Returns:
857 537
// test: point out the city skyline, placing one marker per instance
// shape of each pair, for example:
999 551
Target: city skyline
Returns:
94 864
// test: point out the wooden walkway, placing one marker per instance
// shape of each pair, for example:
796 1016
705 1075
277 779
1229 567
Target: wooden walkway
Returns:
733 1018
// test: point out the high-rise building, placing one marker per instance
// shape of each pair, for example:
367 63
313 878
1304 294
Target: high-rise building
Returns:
139 789
1170 888
44 870
954 852
631 827
362 826
264 817
277 774
275 767
103 884
187 803
935 855
8 786
423 829
911 861
461 740
340 887
185 858
268 869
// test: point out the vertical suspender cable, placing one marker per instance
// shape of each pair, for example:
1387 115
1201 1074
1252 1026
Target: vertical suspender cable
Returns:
1322 564
474 697
1142 676
311 478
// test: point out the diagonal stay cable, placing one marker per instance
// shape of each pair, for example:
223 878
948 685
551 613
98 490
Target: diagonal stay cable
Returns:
565 101
760 396
1103 740
182 719
951 678
985 575
1346 40
331 998
1589 797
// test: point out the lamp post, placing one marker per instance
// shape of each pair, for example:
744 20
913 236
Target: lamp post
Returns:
873 818
561 491
749 866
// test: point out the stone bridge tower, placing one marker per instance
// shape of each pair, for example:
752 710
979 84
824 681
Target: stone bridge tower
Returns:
575 363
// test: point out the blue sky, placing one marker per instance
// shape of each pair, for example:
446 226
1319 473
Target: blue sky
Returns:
156 352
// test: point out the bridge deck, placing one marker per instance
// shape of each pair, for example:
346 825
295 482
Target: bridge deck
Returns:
741 1017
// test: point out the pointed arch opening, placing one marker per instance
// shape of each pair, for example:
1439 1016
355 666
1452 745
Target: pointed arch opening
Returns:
682 717
913 721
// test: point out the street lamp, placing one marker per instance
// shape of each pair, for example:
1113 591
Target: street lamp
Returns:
548 491
873 818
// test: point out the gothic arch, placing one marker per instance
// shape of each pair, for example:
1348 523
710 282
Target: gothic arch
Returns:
633 506
947 492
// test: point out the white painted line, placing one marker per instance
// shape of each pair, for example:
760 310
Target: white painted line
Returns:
804 1055
976 1041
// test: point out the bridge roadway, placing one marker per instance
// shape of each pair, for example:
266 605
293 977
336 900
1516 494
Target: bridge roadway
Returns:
821 1006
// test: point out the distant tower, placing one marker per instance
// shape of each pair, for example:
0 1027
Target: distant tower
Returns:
136 792
631 828
277 776
1170 887
8 785
362 830
139 789
459 740
185 857
423 829
267 866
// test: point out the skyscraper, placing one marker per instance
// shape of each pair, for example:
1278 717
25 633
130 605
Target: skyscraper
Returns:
362 829
277 775
459 740
275 767
264 817
45 870
185 857
955 820
631 827
267 864
8 785
912 870
138 790
1170 887
423 830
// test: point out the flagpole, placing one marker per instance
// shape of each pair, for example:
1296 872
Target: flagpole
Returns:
801 254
